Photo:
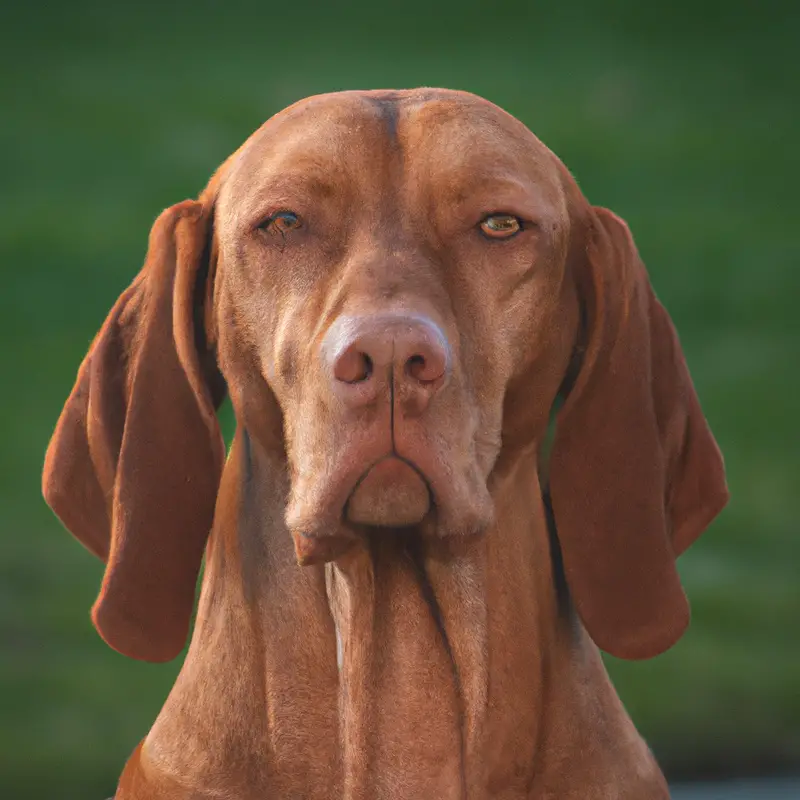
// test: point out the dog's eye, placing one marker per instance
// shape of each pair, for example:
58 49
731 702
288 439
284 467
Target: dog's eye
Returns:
282 222
501 226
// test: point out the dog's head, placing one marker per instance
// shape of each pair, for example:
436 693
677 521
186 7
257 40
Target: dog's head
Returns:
395 287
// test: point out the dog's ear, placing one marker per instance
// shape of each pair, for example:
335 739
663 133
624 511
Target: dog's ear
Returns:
133 467
635 473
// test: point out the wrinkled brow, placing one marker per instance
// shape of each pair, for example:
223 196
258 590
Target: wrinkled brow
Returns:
305 184
463 185
267 193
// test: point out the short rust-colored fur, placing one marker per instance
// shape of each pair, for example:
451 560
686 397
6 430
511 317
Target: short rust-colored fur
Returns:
454 657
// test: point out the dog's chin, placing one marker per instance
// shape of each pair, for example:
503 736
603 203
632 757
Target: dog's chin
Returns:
392 498
391 494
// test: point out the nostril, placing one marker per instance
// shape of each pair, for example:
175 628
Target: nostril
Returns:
353 366
425 367
415 367
366 368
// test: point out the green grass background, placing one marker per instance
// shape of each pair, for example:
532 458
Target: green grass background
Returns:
683 118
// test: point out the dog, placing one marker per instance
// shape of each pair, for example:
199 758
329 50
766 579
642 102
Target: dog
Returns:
405 592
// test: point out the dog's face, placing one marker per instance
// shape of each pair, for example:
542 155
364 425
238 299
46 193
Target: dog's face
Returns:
395 286
391 267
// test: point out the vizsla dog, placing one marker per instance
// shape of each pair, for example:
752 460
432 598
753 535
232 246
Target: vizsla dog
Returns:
403 598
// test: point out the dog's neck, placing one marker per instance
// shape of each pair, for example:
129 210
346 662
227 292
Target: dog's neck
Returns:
394 670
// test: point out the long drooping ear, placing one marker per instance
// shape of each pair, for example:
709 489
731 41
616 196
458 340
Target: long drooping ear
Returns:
635 473
134 464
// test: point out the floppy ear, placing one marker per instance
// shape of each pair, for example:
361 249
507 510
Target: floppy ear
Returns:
635 473
133 467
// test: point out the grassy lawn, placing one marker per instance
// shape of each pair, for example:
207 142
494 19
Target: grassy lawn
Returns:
682 119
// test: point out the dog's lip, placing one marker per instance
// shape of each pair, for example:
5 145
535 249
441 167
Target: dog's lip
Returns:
314 546
330 513
388 470
459 502
389 457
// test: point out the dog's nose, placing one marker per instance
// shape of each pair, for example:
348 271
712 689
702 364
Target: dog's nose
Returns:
363 353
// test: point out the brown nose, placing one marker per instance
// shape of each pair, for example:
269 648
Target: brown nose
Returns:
364 353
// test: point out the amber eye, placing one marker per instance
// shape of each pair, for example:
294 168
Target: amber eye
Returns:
501 226
282 222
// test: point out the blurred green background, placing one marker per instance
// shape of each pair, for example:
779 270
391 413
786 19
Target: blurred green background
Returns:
683 118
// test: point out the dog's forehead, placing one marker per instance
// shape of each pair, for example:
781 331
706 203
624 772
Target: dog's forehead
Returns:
440 131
